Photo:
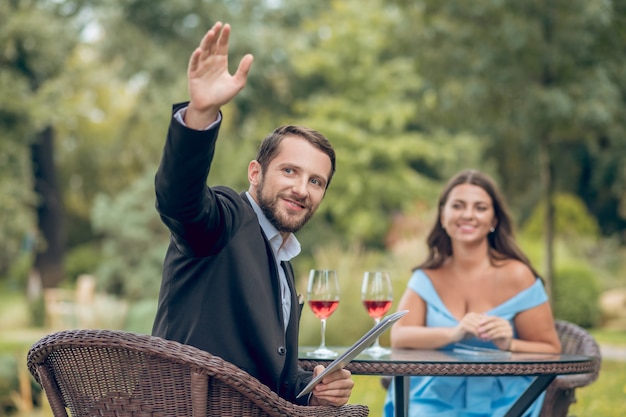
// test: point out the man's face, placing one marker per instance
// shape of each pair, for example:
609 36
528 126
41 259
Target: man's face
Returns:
293 185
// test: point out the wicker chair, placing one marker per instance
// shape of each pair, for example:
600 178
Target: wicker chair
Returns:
113 373
560 394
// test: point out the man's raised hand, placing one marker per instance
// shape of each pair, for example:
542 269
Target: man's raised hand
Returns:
209 82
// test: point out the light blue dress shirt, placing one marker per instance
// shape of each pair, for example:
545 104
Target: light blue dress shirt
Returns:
283 252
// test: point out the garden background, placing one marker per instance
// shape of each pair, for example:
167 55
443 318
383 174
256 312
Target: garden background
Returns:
409 92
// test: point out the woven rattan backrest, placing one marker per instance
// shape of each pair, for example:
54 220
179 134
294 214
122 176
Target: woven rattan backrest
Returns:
120 374
562 391
97 380
577 341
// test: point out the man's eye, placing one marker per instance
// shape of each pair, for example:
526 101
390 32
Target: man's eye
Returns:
288 170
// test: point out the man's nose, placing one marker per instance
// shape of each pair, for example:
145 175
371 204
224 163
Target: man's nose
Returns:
300 187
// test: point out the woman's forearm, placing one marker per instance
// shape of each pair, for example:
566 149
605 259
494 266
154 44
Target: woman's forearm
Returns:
519 345
420 337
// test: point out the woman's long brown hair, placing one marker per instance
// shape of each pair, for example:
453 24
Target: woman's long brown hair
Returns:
502 243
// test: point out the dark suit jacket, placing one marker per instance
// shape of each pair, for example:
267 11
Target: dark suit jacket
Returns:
220 288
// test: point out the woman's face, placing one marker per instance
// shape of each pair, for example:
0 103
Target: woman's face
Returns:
468 214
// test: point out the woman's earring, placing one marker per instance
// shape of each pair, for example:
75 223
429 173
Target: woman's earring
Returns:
493 229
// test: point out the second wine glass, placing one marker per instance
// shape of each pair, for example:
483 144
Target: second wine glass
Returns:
377 296
323 298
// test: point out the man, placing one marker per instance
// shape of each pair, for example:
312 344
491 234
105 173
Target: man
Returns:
227 285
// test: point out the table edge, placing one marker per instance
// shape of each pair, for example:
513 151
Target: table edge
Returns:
410 368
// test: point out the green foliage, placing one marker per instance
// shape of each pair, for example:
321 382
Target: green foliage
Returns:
572 219
134 241
37 311
140 316
576 293
37 38
9 384
15 222
17 275
577 239
106 140
83 259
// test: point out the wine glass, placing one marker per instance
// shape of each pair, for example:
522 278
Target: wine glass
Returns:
323 297
377 296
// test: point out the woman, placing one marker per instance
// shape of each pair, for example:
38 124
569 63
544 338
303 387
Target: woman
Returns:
476 288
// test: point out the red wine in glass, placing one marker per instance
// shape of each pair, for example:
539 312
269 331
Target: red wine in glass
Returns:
377 296
323 309
377 308
323 298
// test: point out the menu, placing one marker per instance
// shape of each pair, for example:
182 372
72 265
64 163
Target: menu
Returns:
365 341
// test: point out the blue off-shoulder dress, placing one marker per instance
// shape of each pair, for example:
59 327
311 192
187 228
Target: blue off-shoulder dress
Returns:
478 396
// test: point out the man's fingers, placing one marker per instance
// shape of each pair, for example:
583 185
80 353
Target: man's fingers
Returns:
244 66
194 59
336 399
241 76
207 44
318 370
221 45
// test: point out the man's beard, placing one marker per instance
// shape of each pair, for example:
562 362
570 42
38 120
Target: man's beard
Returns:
280 221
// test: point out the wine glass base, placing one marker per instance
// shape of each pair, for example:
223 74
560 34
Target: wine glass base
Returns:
377 351
322 353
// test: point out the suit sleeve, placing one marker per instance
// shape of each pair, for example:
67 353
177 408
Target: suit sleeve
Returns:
195 214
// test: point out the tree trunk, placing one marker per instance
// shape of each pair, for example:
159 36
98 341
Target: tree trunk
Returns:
547 185
545 155
50 249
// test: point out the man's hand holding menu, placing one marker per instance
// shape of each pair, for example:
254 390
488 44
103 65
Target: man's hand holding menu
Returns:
333 388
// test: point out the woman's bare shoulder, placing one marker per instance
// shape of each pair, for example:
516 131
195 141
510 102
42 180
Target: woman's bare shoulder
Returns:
517 273
435 274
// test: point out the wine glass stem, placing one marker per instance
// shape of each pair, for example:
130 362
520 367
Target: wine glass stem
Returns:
377 342
323 344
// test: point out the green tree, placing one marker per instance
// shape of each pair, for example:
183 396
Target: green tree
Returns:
102 148
37 38
133 240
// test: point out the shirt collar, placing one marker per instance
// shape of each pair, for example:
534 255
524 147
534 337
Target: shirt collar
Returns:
290 249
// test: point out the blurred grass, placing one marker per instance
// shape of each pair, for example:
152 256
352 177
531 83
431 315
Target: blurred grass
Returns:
605 397
611 337
368 391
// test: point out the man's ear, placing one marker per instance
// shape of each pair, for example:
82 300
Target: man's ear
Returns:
254 173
